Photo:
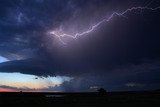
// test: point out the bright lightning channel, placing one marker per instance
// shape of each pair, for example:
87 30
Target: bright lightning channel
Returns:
59 34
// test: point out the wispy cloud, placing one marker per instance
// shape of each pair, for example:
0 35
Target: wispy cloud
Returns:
132 84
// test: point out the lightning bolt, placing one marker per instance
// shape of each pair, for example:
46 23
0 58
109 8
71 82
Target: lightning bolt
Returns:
60 35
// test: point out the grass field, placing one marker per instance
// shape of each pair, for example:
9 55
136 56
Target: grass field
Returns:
95 99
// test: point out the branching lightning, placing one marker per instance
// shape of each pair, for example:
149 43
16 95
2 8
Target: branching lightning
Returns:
60 34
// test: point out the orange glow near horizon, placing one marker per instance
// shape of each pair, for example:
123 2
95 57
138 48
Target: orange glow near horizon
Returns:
7 90
13 82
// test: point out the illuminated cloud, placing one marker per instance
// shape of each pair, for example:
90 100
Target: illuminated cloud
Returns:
2 59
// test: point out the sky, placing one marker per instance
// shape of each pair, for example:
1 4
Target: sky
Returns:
79 45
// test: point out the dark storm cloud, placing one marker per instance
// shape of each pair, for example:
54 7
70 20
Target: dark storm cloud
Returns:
143 76
119 48
23 23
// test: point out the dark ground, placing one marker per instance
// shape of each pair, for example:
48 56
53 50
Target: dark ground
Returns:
111 99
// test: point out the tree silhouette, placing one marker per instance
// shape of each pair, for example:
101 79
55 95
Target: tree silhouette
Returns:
102 91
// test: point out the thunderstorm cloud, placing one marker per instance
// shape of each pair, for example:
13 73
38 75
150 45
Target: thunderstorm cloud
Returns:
120 54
